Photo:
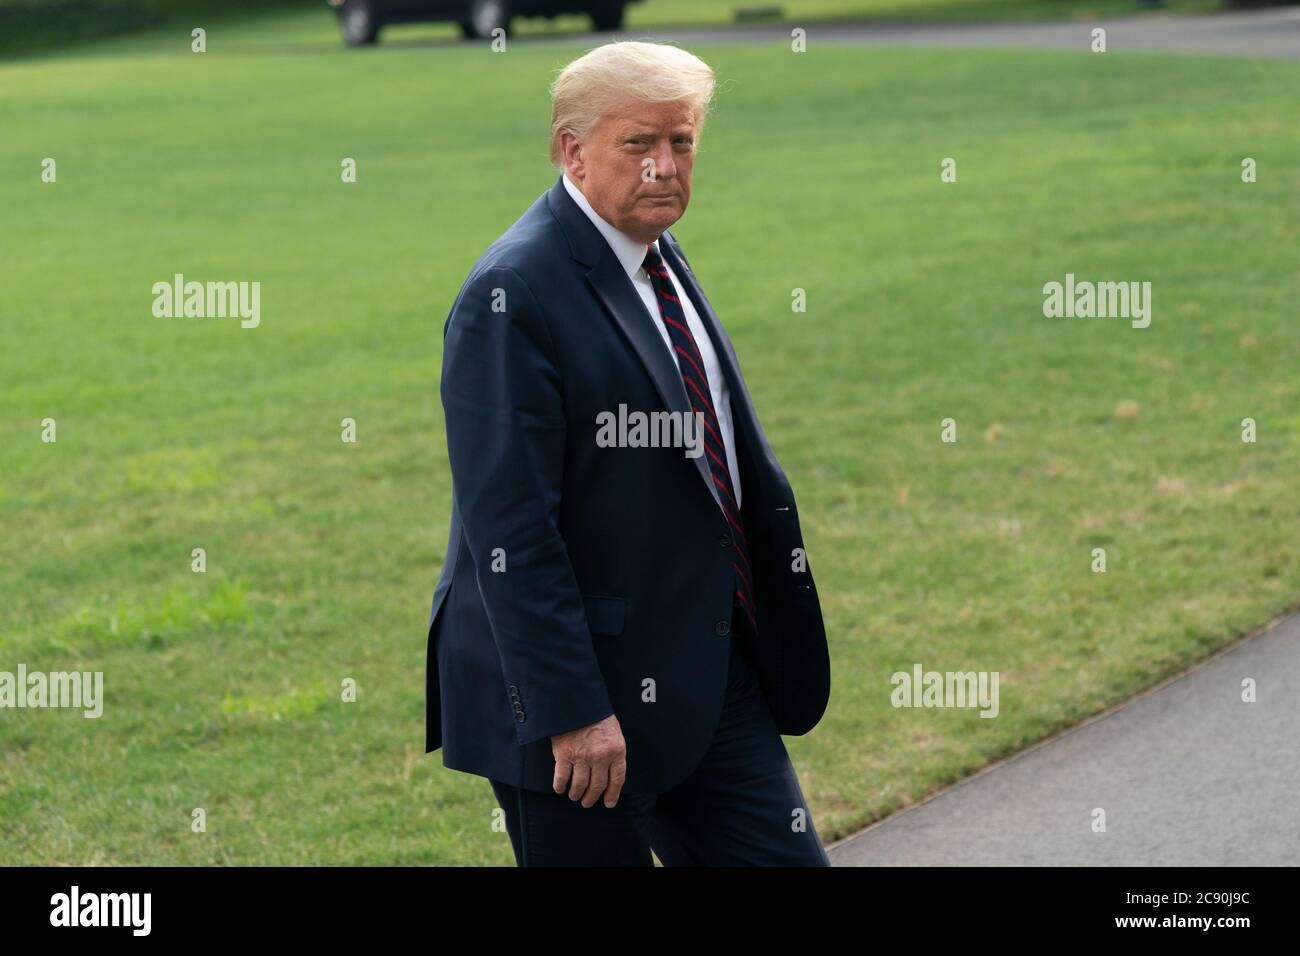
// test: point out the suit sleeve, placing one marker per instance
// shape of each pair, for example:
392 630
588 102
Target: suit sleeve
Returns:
503 402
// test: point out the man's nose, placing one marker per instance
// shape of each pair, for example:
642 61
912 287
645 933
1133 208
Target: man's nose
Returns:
665 168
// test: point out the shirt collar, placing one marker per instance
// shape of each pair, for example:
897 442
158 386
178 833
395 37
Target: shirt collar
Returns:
631 252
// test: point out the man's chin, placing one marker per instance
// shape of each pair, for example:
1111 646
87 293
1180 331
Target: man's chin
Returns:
657 220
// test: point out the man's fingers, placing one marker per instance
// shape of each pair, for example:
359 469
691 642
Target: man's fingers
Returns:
588 760
561 778
617 775
599 780
581 777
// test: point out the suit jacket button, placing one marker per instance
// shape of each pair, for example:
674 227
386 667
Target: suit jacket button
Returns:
722 628
519 716
725 541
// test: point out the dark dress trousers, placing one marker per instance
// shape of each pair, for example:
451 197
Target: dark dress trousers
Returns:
582 581
741 806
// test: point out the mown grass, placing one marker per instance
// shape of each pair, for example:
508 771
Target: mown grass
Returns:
818 171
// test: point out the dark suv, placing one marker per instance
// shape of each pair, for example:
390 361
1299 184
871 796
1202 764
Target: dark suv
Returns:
361 20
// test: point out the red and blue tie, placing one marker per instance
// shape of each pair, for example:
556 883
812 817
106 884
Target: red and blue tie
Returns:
691 365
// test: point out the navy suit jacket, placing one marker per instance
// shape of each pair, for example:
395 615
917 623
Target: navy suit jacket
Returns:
582 581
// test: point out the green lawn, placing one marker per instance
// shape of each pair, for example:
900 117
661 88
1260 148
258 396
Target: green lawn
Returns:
818 171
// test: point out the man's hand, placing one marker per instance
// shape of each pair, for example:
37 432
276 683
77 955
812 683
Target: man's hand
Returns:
596 757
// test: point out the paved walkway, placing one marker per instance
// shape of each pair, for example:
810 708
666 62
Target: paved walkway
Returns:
1187 773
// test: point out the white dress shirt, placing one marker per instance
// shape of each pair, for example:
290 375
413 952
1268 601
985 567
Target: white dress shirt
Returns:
631 254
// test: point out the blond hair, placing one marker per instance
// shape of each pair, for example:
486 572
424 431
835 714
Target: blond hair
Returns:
599 82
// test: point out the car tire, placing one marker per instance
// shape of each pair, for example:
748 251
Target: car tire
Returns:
608 17
484 17
359 22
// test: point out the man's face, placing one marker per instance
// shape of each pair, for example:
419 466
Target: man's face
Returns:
635 168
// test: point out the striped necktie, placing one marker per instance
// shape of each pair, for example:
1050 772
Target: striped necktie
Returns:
690 364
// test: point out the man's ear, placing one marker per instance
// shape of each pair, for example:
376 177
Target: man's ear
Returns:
571 152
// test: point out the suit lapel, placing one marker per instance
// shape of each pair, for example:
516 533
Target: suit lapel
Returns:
622 301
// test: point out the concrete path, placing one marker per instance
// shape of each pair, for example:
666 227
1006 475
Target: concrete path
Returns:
1187 773
1268 33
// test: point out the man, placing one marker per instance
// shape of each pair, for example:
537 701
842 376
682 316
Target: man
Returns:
625 622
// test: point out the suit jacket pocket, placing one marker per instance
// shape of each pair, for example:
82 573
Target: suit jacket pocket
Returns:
788 537
604 614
